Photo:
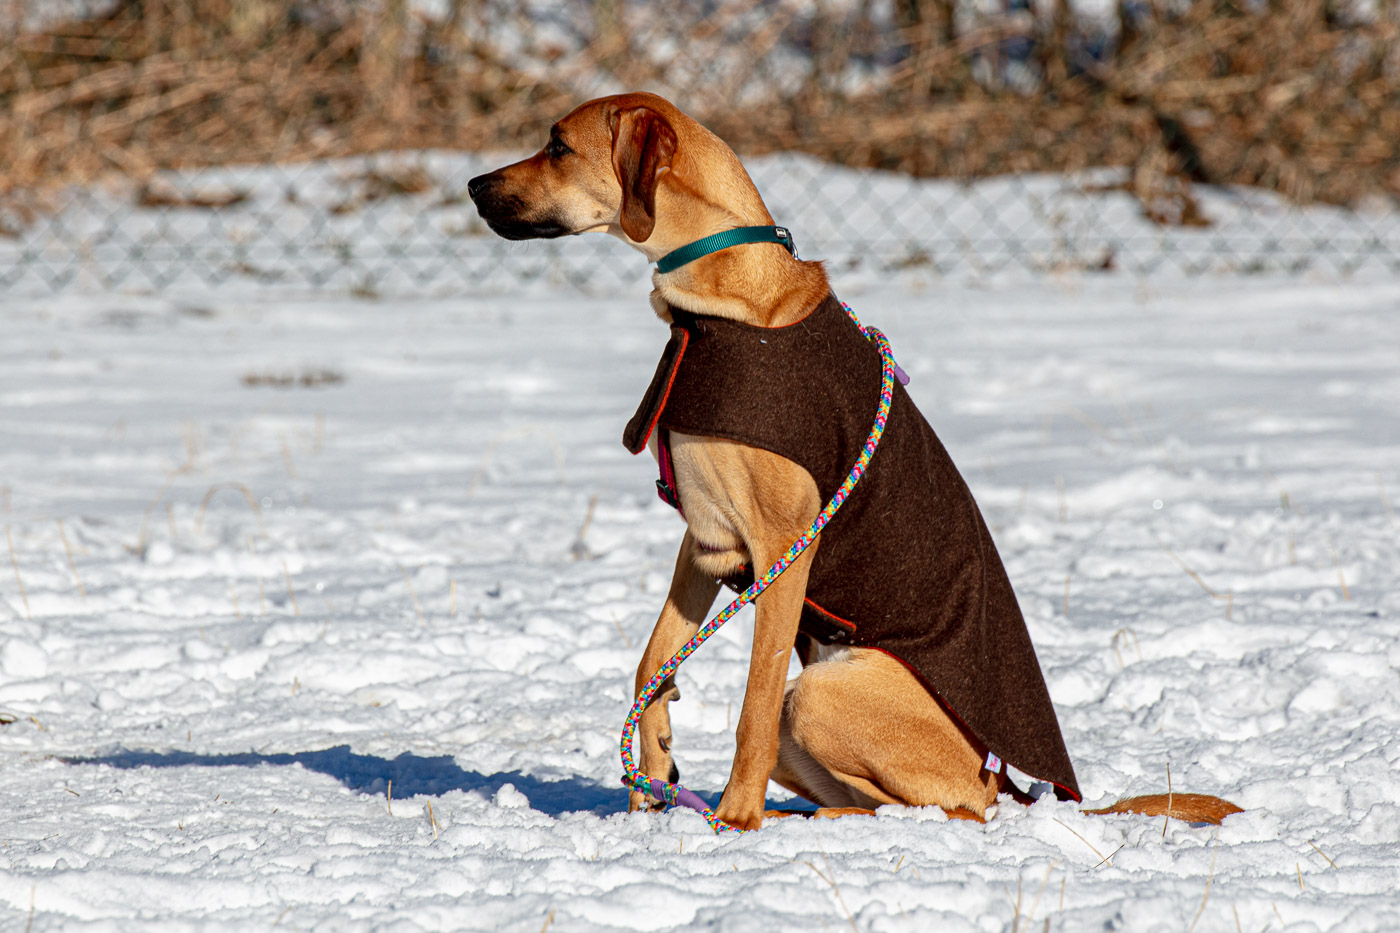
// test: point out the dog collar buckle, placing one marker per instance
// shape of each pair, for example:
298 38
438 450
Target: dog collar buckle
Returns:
784 236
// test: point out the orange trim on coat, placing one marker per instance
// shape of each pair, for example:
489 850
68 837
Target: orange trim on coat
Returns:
675 369
828 614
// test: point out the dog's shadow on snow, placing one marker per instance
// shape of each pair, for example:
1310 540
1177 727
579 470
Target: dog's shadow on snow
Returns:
412 775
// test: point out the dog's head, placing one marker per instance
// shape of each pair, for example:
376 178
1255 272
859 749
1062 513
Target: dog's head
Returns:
632 165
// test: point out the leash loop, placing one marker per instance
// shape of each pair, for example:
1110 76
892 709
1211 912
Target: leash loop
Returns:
674 794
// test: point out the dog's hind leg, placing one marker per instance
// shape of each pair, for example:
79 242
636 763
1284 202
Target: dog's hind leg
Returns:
689 599
861 731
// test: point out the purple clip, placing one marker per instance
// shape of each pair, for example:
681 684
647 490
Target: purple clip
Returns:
901 375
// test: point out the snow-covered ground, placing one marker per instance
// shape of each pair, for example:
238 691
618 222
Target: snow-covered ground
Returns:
208 694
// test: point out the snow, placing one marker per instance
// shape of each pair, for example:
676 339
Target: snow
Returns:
209 701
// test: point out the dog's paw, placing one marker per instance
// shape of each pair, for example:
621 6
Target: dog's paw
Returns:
746 819
747 823
637 800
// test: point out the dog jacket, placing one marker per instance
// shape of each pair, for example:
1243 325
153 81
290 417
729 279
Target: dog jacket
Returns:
907 565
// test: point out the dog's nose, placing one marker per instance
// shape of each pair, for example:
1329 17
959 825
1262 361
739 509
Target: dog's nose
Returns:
478 185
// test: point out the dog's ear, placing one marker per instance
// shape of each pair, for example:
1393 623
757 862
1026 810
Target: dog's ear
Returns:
643 145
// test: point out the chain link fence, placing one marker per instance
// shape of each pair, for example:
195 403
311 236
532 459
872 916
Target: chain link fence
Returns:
315 145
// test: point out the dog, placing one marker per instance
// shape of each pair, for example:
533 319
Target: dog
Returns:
884 711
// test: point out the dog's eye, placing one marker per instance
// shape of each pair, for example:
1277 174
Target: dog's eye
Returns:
557 149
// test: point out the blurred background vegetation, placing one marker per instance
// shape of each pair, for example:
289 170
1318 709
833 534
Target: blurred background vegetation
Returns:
1295 97
1298 96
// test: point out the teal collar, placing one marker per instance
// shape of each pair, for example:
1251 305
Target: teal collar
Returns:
713 244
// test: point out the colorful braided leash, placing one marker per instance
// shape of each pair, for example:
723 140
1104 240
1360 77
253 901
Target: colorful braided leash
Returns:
672 793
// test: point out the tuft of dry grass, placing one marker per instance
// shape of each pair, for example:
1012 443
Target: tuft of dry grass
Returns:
617 624
291 593
72 564
1341 577
139 548
579 550
1228 596
1102 858
14 562
1206 896
1385 499
1168 817
413 595
831 880
1124 634
247 497
1323 854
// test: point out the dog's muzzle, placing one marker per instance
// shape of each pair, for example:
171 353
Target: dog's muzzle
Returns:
502 211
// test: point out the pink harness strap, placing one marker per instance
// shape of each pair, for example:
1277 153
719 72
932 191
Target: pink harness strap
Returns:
666 485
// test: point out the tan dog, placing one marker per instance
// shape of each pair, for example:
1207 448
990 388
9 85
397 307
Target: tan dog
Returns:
856 729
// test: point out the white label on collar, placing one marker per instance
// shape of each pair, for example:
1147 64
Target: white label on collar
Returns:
993 763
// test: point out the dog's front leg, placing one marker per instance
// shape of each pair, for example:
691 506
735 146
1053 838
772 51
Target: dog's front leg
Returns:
692 592
779 609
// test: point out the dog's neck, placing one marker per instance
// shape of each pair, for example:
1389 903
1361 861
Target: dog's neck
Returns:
756 283
759 284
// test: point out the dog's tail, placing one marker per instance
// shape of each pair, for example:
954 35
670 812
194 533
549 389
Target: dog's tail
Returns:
1193 808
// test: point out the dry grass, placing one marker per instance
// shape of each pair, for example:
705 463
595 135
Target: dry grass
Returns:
1102 858
247 497
1206 896
1228 596
14 562
1341 577
1323 854
1168 817
139 548
1296 96
73 564
413 595
291 593
830 879
1123 634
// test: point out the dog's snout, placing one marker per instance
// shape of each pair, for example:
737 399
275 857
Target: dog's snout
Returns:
479 184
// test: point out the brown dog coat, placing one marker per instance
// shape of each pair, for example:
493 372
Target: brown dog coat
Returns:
907 566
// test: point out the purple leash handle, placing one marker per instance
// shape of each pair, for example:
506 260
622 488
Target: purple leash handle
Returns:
688 798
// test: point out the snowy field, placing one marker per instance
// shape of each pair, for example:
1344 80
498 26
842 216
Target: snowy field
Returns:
270 555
